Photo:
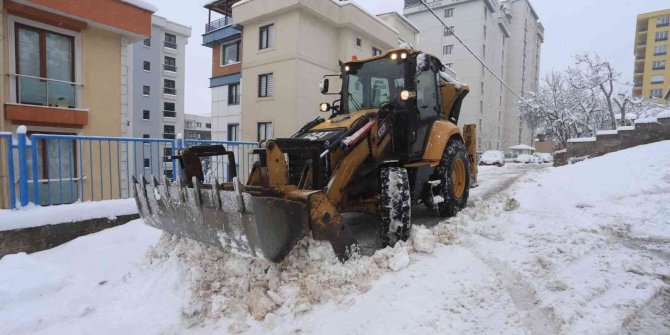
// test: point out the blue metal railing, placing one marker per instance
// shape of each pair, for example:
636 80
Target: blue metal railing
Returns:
60 169
7 147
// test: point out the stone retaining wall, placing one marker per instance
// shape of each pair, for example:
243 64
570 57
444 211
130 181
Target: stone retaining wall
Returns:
622 138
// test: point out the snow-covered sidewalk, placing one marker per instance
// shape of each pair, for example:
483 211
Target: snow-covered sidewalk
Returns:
581 249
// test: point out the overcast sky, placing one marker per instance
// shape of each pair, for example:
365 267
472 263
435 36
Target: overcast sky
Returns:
606 27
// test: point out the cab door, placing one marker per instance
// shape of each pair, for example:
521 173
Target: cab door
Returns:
427 106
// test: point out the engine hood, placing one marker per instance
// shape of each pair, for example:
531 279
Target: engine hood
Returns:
343 121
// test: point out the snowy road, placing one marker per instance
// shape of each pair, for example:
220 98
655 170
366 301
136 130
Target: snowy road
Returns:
581 249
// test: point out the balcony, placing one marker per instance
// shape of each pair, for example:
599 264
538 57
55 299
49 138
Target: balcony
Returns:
643 29
171 114
218 24
641 43
169 67
170 90
639 57
46 92
639 70
638 84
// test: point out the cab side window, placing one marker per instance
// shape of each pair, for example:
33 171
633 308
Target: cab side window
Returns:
426 94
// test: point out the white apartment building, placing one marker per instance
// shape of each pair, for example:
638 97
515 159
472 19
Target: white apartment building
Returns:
287 47
197 127
507 35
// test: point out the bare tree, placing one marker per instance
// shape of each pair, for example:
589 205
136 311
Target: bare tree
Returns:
592 72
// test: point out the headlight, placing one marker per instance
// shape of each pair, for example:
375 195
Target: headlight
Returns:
394 56
346 68
324 107
406 95
403 55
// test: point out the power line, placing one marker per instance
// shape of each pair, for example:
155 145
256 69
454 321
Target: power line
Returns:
471 52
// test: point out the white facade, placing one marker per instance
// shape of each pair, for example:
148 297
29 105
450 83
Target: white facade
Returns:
197 127
495 33
309 39
225 116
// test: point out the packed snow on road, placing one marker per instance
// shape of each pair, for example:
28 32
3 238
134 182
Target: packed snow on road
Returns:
580 249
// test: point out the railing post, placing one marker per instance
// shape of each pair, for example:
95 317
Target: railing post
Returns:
10 172
23 165
178 144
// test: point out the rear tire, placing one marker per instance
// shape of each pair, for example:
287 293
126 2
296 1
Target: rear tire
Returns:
396 205
454 173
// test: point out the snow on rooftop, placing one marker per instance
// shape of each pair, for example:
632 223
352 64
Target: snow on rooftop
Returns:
607 132
647 120
522 147
142 4
35 216
626 128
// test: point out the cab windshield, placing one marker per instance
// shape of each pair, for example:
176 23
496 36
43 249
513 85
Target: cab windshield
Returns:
373 84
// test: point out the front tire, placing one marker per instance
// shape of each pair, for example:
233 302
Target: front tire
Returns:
396 205
454 173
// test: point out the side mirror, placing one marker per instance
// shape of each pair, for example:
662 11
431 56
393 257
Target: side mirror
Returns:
324 85
325 107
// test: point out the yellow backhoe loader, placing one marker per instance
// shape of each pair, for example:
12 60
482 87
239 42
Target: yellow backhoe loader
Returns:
391 141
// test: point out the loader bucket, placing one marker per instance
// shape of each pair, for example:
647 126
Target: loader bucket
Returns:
261 227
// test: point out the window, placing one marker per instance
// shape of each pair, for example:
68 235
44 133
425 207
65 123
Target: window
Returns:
198 125
170 64
169 86
265 85
264 131
657 79
146 114
266 37
449 12
170 41
656 93
663 21
233 132
146 90
658 65
208 125
661 36
147 42
147 163
43 54
359 42
376 52
168 132
660 50
169 109
146 66
230 53
146 136
449 31
234 94
448 49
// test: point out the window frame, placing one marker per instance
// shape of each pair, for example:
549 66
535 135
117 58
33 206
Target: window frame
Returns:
270 32
144 66
234 99
236 127
448 49
148 45
258 131
146 90
146 114
449 12
167 87
223 52
269 78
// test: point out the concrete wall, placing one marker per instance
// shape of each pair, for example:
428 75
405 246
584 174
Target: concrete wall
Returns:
627 137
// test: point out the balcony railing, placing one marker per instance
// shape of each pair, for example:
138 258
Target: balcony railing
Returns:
218 24
639 70
33 90
640 57
660 25
170 45
641 43
171 114
662 39
171 68
170 90
643 30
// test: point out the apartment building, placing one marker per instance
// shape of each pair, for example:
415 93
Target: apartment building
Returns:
652 71
197 127
65 70
225 40
287 47
158 81
508 36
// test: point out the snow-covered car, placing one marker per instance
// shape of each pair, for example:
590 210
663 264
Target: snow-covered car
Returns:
526 159
544 157
492 157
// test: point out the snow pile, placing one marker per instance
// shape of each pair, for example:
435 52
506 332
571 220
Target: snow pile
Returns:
227 286
34 216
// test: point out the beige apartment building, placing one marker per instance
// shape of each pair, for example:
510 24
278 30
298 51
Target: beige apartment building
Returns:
66 70
652 71
288 46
